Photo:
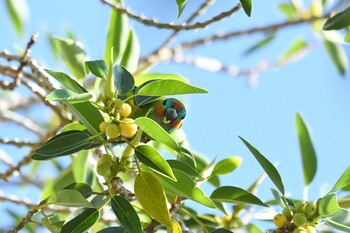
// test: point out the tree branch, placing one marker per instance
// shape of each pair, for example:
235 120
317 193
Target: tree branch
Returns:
184 26
24 59
237 33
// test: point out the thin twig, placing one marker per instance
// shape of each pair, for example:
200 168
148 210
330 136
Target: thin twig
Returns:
16 142
184 26
237 33
24 59
28 217
26 159
158 51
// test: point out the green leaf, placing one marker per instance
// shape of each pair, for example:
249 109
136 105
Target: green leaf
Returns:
338 56
289 10
278 198
149 192
72 198
68 96
130 58
247 6
251 228
117 35
73 126
19 13
185 186
226 166
181 4
82 188
341 222
297 47
113 230
233 194
184 167
155 131
270 170
169 87
89 115
175 227
143 78
67 81
222 230
338 21
343 181
52 222
97 68
260 44
153 159
62 144
328 205
347 37
80 166
308 154
123 80
126 214
73 55
81 220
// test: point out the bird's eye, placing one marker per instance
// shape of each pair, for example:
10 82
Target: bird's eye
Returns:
164 102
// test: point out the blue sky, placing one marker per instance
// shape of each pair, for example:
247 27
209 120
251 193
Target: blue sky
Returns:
264 114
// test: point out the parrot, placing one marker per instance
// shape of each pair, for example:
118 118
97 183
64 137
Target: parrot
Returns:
169 114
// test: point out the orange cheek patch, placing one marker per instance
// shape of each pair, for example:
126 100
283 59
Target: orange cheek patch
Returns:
175 124
159 110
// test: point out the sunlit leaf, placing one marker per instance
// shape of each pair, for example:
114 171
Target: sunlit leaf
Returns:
341 222
260 44
186 168
270 170
130 58
98 68
68 96
72 198
308 154
169 87
155 76
19 13
185 186
117 35
338 56
73 55
289 10
53 223
67 81
347 37
338 21
149 192
247 6
227 165
155 131
251 228
126 214
181 4
62 144
123 80
175 227
278 198
153 159
89 115
343 181
328 205
294 50
82 188
73 126
233 194
81 220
